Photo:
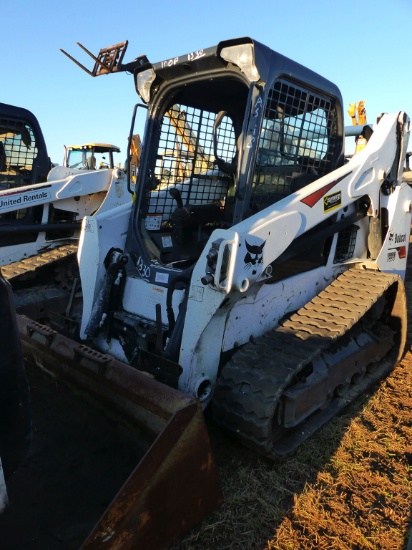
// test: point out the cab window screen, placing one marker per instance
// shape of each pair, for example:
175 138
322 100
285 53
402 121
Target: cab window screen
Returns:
185 160
296 143
18 151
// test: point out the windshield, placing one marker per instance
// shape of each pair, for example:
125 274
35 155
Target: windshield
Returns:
188 181
185 158
89 159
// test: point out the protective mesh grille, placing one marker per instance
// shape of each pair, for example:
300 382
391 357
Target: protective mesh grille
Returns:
185 159
17 153
296 144
345 246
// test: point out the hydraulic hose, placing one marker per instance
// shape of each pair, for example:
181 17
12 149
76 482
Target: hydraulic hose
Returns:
175 335
108 298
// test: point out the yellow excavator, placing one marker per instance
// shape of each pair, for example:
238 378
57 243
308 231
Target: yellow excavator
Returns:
357 112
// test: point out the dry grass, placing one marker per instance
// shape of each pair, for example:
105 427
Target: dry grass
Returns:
349 487
361 498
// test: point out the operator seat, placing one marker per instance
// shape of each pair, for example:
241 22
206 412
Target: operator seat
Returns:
91 163
3 158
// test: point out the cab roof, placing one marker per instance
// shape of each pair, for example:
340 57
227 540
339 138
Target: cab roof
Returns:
98 147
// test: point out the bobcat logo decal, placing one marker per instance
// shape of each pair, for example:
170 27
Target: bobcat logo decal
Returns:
254 256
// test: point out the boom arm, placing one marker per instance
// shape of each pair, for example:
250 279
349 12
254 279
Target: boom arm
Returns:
238 260
366 174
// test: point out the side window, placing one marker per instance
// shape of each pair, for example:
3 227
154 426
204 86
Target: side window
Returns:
18 151
296 145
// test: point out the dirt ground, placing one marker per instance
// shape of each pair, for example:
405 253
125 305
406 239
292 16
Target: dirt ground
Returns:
349 487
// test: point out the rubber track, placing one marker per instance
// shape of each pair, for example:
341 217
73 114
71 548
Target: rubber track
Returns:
23 267
252 382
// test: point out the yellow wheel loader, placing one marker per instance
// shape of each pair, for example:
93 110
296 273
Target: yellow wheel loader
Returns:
90 156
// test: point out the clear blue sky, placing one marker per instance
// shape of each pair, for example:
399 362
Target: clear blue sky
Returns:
362 46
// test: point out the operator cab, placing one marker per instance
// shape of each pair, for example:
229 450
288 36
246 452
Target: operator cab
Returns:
24 162
90 156
232 130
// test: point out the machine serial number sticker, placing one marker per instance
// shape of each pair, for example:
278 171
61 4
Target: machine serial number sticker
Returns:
196 293
167 241
330 202
88 226
153 222
162 278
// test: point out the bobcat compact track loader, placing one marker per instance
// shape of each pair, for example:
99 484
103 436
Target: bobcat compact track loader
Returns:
41 207
257 271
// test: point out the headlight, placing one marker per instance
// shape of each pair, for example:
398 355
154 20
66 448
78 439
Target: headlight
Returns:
144 81
242 56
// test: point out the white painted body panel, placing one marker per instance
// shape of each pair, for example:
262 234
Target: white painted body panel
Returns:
99 234
225 314
82 192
